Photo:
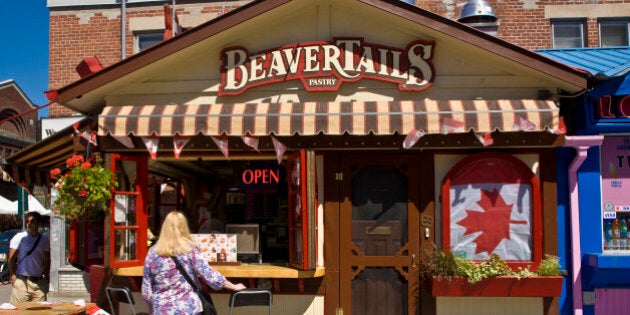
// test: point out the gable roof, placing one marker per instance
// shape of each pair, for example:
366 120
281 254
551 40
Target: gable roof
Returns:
87 94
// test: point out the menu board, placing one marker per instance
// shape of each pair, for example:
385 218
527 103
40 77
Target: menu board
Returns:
217 247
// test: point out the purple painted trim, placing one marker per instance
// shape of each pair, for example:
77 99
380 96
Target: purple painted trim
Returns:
581 144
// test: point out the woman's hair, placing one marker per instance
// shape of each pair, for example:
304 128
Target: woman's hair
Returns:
174 237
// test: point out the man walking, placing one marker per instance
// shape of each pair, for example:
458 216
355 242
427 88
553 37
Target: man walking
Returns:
29 262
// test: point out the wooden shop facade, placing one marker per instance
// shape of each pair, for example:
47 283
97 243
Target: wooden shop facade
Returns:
349 137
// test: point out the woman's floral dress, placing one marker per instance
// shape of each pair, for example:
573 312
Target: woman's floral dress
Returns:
167 291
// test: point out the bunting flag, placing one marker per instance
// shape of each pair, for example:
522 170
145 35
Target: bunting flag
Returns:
76 127
522 124
179 142
124 140
222 143
279 147
95 310
152 145
562 128
412 137
450 125
251 142
90 137
485 138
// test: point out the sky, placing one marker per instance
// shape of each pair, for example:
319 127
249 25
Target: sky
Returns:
24 52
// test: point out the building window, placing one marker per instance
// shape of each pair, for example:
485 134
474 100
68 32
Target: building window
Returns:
568 33
613 32
492 205
146 40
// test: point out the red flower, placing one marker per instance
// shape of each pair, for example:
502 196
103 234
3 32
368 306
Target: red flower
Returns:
74 161
54 173
83 193
85 165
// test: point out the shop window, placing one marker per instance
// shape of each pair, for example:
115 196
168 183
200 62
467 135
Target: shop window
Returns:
491 204
615 170
613 32
568 33
128 218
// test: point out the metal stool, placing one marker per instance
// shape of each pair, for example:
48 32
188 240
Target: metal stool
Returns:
251 297
122 295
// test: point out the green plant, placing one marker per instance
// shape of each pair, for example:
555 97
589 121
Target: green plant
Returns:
86 185
550 266
446 264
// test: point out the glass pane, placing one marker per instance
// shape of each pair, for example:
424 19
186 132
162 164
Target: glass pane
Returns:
567 35
148 39
125 244
384 285
125 210
298 256
126 173
379 210
613 34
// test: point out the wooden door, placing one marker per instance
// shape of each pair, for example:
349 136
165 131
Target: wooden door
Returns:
379 235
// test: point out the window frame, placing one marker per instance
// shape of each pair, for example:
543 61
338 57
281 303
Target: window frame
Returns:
612 21
581 22
536 204
141 221
305 224
138 34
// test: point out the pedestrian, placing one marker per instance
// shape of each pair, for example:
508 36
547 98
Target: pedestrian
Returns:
29 262
164 288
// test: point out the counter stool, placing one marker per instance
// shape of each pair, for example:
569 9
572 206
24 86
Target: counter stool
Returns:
251 297
123 295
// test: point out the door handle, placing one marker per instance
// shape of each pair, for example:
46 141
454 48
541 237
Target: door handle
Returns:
413 260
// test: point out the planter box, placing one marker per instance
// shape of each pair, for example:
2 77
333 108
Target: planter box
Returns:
498 286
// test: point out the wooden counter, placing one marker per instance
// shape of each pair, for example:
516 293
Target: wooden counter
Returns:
35 308
242 271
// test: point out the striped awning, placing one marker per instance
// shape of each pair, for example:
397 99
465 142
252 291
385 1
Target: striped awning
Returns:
328 118
32 164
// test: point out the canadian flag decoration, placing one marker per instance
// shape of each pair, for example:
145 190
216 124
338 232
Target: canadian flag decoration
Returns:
450 125
179 142
251 142
124 140
412 137
491 213
522 124
152 145
222 143
95 310
485 138
279 147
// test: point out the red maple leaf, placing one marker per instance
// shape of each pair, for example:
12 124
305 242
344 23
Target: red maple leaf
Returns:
494 222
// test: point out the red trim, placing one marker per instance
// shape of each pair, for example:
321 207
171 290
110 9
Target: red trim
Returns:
498 287
141 219
463 168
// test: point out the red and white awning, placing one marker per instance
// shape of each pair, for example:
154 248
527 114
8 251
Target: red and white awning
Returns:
328 118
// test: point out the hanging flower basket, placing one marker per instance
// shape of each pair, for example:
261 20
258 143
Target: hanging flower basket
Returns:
84 189
504 286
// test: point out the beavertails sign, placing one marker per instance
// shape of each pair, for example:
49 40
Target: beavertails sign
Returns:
323 66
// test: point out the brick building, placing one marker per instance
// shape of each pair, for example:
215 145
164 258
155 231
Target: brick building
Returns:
84 28
16 133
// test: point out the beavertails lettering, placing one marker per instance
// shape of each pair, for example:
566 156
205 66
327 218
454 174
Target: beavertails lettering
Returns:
323 66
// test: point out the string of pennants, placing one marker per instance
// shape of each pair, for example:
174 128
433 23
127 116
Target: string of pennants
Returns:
449 126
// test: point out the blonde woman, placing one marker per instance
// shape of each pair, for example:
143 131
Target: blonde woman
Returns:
163 286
